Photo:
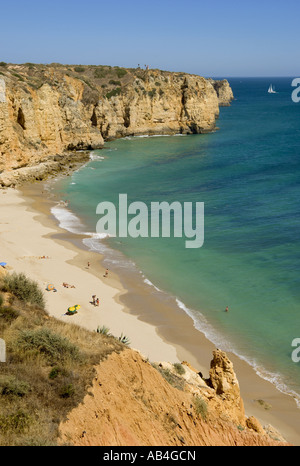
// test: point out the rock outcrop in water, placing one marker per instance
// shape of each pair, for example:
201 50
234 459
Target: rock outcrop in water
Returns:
47 110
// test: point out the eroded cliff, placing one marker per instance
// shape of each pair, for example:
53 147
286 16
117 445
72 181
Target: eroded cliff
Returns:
134 403
47 110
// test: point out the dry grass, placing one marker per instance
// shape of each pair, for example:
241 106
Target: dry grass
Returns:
49 367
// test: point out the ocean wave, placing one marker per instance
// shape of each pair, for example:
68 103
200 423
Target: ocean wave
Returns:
95 157
70 222
112 257
150 283
140 136
202 325
217 339
67 220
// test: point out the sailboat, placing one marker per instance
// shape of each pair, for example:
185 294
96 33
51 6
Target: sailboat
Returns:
271 90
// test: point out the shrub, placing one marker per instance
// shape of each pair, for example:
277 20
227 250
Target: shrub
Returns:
8 314
1 300
115 83
2 63
172 379
79 69
17 421
113 93
24 289
52 346
100 73
121 73
67 391
200 407
179 368
56 371
10 386
152 93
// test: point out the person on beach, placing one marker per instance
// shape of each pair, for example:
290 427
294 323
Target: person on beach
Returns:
88 264
97 302
106 273
94 299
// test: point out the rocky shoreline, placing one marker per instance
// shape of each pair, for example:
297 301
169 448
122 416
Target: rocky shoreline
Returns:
51 167
60 109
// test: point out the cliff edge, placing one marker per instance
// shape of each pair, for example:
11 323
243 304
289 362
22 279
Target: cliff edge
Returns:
47 110
135 403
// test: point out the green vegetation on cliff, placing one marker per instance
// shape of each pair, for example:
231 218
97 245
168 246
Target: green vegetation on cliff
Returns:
49 365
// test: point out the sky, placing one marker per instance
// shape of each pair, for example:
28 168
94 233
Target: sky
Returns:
212 38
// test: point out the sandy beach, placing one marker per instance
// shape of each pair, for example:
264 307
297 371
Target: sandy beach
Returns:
32 242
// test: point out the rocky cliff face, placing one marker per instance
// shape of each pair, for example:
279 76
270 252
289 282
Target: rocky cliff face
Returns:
224 92
49 110
134 403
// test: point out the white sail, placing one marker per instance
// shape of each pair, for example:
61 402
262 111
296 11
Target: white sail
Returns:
271 90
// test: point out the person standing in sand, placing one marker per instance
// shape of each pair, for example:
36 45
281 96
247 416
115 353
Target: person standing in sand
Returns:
97 302
106 273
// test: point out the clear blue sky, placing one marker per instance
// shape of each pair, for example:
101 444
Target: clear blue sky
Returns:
210 38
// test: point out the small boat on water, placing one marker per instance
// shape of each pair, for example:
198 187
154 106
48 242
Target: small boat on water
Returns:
271 89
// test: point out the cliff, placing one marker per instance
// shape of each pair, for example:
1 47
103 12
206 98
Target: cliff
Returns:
224 92
47 110
134 403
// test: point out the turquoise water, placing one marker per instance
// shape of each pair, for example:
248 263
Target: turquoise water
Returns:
247 173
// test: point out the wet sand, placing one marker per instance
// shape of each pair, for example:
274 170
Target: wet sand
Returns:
155 325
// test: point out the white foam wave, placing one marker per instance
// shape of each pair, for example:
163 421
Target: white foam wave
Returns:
201 324
217 339
150 284
94 157
140 136
67 220
112 257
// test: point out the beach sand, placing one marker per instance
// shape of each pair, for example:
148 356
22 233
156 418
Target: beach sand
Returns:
159 329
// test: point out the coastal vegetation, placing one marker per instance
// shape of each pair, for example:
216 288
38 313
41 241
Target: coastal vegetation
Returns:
49 365
24 289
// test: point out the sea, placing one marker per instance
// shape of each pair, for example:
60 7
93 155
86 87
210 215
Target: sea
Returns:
247 174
